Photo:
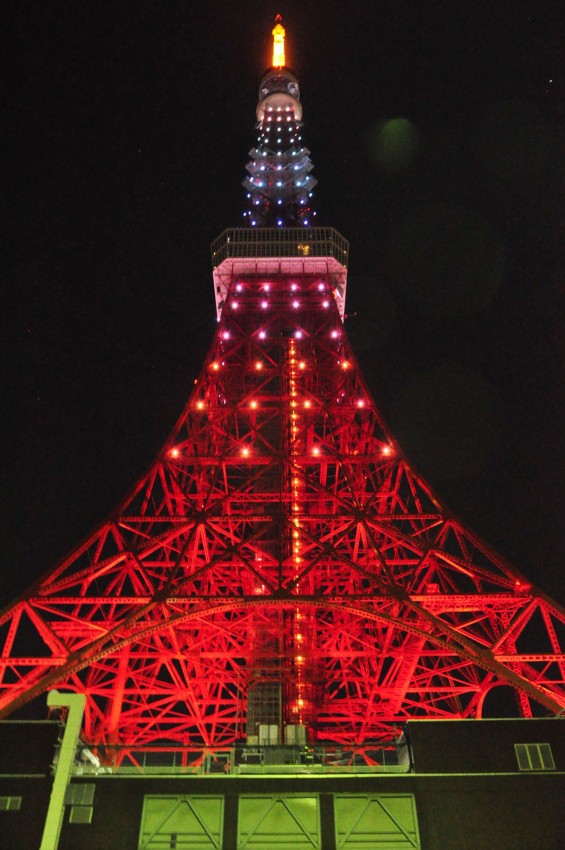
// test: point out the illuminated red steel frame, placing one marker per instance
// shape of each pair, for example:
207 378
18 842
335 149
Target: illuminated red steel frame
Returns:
281 538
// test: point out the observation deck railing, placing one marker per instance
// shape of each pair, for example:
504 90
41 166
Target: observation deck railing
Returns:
280 242
241 760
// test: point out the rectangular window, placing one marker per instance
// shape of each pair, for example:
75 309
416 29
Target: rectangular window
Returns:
534 757
182 822
81 814
80 794
279 821
370 821
10 804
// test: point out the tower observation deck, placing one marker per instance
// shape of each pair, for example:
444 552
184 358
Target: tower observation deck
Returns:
281 573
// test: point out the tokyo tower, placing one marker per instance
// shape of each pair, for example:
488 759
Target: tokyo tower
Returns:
281 565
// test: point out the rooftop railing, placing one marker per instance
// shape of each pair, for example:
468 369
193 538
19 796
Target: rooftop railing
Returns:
241 760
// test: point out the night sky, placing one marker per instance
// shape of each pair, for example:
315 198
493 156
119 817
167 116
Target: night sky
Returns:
436 132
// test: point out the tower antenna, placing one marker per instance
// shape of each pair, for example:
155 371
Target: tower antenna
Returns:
278 43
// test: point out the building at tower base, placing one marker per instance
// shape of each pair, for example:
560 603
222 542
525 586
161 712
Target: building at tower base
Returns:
452 784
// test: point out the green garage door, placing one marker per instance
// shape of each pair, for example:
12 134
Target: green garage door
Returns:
376 822
182 823
279 822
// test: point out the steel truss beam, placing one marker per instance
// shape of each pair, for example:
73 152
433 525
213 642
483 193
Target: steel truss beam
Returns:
280 536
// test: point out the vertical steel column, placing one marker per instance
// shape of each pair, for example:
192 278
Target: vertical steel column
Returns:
54 820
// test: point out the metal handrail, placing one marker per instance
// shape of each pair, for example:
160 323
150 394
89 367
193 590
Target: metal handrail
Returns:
241 759
280 242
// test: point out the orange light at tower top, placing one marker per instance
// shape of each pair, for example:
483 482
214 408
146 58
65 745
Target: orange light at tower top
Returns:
278 44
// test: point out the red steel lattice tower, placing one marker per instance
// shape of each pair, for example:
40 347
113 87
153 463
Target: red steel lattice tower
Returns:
281 563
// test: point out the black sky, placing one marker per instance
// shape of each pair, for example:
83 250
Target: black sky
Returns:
132 123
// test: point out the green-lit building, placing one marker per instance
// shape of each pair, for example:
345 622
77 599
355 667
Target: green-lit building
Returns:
445 785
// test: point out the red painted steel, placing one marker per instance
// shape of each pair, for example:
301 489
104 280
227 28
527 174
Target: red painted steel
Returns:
280 536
